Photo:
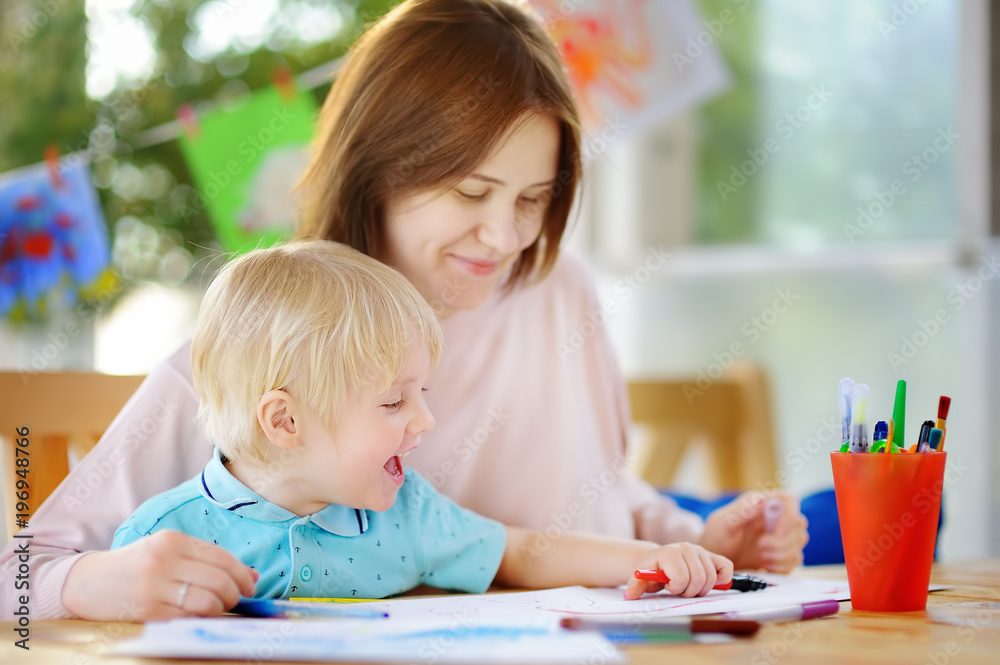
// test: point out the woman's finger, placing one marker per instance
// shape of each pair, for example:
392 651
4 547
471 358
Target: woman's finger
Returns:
210 579
199 601
212 555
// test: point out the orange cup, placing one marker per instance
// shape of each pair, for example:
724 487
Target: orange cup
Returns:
889 506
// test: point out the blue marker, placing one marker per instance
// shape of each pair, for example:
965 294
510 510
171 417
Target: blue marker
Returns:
288 609
880 436
881 432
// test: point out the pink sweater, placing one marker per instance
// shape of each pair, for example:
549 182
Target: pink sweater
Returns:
530 431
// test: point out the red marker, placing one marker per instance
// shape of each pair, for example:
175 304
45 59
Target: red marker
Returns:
944 404
739 582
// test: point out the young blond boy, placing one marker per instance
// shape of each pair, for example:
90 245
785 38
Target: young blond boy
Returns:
310 360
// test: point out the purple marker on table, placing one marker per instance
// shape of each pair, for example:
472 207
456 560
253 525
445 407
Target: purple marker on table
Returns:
820 608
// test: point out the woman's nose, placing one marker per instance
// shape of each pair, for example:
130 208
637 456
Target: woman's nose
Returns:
498 230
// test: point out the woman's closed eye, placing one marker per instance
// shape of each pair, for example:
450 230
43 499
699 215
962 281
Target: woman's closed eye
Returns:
538 199
534 206
473 196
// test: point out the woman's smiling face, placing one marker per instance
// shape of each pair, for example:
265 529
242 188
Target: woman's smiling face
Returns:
455 244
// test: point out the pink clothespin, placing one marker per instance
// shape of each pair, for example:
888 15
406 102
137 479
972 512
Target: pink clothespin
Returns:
189 121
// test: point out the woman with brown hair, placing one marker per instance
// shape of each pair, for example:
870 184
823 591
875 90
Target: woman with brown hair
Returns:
448 148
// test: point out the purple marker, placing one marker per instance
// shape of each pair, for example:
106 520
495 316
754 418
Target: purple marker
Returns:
821 608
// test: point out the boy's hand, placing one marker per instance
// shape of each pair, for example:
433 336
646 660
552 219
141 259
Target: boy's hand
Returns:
692 571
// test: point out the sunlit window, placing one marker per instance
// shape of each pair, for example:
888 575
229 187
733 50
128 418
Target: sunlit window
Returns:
841 127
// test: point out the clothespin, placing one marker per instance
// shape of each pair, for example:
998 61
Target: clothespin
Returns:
52 163
283 81
189 121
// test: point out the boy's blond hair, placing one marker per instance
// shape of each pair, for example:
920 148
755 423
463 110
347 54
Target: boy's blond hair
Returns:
315 318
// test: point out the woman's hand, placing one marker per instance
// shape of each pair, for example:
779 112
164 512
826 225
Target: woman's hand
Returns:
144 580
737 530
691 569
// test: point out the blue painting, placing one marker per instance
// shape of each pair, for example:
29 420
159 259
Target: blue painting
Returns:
53 239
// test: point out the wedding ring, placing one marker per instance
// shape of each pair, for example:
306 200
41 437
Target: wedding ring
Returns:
182 594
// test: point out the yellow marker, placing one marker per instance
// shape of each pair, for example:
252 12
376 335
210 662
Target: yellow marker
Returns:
339 600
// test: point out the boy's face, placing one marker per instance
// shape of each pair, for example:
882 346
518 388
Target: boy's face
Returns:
359 463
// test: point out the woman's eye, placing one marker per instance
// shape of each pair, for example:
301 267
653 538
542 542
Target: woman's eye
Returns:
540 200
532 206
472 196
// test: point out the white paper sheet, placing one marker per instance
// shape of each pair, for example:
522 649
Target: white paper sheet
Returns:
370 640
515 627
577 601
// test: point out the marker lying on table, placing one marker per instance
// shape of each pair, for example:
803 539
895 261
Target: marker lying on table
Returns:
337 600
822 608
649 630
287 609
745 622
738 583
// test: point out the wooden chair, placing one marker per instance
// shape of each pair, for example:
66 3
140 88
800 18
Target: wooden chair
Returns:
65 413
733 415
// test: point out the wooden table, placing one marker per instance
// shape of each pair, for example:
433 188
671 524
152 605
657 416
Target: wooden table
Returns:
850 637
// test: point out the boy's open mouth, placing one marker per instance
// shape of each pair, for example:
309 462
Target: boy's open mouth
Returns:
394 466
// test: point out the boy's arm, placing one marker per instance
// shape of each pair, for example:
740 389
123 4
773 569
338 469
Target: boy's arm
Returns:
601 561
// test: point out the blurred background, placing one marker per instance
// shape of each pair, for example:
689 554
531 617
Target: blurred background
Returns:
817 173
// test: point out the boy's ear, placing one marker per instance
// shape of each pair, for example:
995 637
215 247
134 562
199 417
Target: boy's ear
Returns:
276 415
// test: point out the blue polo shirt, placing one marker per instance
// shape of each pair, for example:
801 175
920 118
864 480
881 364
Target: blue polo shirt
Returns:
340 552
